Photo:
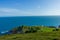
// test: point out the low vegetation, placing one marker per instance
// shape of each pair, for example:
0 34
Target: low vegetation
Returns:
32 33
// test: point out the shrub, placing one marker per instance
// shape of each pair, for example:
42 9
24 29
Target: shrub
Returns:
55 39
31 30
52 27
56 30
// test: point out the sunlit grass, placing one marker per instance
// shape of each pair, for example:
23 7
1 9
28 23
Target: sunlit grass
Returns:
45 33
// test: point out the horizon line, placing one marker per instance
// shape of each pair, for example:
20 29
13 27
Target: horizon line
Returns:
29 16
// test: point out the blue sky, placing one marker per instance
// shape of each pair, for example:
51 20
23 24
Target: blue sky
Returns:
29 7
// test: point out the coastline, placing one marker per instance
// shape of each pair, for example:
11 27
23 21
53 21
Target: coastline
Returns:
32 33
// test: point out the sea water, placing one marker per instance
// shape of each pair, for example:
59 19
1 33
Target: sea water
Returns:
7 23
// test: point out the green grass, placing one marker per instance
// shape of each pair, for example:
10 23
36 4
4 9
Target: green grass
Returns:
44 33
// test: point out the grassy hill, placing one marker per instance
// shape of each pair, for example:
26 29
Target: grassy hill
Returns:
34 33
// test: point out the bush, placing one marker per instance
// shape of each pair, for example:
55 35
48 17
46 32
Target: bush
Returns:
55 39
52 27
31 30
56 30
27 31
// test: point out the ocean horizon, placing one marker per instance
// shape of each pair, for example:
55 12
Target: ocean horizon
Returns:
7 23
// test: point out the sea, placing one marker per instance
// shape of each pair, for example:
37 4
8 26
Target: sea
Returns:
8 23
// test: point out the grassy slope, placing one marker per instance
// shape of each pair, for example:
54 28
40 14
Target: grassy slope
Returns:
42 34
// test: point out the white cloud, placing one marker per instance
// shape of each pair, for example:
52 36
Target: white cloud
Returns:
31 12
53 12
7 10
13 12
46 12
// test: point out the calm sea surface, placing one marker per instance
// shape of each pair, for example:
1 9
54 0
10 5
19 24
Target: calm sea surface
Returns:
7 23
